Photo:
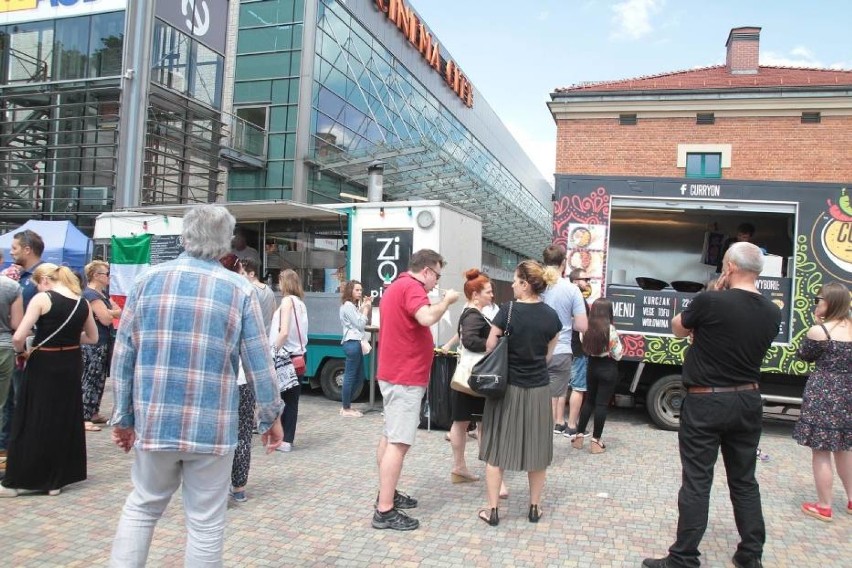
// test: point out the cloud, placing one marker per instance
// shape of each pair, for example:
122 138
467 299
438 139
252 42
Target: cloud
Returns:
632 18
543 16
799 56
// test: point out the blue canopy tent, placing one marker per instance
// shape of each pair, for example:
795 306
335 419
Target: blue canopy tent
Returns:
64 244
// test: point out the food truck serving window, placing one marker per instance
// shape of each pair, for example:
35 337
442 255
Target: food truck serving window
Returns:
673 240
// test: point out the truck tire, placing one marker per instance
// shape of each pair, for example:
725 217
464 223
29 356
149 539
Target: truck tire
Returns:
331 380
664 400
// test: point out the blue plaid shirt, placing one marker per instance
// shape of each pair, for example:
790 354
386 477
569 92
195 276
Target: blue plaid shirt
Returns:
185 327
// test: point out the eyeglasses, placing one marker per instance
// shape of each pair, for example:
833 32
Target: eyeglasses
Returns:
435 272
103 273
817 299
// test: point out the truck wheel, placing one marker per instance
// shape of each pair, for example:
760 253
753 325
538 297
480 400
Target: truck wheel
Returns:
664 400
331 380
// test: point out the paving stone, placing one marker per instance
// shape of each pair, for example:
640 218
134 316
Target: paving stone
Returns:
312 507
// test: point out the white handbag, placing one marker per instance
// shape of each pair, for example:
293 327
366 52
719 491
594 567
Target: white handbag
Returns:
467 359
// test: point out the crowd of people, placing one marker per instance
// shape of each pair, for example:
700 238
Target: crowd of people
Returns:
193 380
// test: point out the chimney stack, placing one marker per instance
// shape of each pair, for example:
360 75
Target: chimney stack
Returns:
743 50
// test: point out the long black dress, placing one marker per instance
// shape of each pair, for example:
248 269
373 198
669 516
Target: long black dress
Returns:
47 448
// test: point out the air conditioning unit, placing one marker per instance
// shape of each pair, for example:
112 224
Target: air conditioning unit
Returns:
94 198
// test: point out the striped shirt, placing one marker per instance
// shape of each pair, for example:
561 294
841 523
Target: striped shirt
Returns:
185 327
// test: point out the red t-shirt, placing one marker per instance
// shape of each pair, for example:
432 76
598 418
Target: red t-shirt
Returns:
405 346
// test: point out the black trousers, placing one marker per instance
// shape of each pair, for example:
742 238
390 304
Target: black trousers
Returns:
290 415
732 422
601 377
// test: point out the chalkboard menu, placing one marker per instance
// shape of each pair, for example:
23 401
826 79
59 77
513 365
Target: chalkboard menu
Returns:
651 312
165 248
384 256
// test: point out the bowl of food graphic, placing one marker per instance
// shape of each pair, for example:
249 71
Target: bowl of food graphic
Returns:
580 259
581 237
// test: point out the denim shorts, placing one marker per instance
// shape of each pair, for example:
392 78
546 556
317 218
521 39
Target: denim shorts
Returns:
578 373
402 411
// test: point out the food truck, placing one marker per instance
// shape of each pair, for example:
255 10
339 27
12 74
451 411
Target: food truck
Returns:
651 244
327 245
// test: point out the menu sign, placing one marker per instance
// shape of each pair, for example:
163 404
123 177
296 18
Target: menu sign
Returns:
165 248
650 312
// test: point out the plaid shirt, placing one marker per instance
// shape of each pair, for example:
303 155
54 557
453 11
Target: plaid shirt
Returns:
184 328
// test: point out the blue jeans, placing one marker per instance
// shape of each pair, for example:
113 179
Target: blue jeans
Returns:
354 370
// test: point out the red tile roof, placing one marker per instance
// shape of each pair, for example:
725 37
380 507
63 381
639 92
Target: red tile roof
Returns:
718 77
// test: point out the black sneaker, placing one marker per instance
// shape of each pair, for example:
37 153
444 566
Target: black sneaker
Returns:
665 562
559 428
401 501
748 563
394 520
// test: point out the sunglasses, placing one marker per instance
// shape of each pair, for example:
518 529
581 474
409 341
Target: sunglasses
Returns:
817 299
103 273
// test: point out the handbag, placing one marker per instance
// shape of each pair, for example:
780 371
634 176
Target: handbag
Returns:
21 358
285 372
298 360
467 359
490 376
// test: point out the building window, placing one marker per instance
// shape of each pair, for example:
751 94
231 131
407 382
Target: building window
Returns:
704 165
705 118
627 119
811 118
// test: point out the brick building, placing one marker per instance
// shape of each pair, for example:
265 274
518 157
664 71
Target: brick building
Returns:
740 120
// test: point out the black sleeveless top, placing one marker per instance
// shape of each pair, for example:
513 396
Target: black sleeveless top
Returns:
59 309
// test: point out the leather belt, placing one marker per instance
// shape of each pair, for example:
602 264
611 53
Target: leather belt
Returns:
708 390
66 348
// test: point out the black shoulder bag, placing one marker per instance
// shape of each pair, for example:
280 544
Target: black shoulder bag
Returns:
490 376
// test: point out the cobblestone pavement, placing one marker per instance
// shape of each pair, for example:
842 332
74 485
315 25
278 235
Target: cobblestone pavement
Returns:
312 507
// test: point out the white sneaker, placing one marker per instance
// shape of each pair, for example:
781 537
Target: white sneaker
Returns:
284 447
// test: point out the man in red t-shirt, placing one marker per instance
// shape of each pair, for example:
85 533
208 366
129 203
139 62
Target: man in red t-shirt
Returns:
405 359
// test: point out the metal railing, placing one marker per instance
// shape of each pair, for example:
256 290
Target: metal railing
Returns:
244 137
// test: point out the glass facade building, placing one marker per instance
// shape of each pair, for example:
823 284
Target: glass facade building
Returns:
60 106
338 85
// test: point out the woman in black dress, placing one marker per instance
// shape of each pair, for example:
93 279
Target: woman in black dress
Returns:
47 449
473 331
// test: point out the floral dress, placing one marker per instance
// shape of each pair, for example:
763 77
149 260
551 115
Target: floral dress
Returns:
826 418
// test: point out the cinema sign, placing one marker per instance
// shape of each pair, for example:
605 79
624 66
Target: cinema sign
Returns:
421 39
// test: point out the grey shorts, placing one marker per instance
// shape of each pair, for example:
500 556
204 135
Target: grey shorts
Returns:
559 371
402 411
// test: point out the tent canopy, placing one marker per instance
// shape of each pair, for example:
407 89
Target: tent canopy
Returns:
64 244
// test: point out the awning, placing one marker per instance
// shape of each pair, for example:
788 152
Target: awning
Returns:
246 211
511 216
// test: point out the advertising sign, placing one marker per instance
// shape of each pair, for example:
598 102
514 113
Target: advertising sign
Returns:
384 256
205 20
651 312
18 11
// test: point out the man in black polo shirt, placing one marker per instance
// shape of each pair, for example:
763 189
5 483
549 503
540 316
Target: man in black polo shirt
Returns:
731 329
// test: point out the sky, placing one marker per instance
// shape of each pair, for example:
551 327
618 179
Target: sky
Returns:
517 52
